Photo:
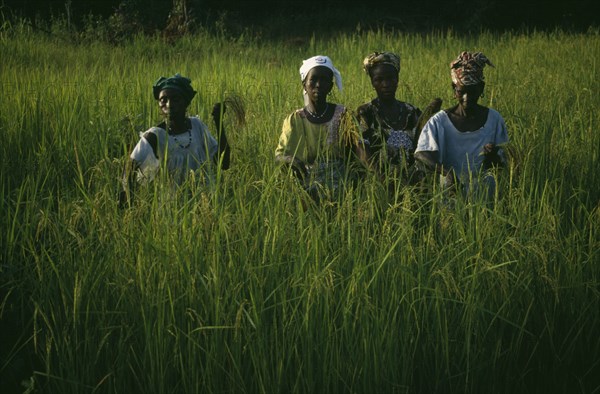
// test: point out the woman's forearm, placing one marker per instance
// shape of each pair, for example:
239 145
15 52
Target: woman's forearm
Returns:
224 150
297 166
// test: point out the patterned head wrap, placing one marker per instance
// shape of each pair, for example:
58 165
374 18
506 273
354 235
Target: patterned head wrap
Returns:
467 68
381 58
177 82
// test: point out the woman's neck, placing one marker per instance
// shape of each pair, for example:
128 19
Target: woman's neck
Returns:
386 102
470 112
317 108
319 112
468 119
178 125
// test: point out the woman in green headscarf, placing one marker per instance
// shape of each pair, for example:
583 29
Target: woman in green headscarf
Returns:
181 143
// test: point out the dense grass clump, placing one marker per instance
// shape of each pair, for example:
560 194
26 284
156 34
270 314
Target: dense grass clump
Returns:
243 288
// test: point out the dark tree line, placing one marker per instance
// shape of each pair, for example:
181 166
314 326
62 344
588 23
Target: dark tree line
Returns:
313 15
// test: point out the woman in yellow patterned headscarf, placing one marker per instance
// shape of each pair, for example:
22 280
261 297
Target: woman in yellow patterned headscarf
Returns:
388 125
376 58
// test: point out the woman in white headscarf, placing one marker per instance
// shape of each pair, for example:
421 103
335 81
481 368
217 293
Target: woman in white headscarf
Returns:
312 142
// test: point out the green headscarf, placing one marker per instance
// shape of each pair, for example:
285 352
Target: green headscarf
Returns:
177 82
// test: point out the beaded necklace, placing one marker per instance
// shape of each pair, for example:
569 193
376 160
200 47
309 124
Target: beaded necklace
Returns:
315 115
189 140
189 130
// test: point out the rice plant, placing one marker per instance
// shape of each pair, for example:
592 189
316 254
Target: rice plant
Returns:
244 288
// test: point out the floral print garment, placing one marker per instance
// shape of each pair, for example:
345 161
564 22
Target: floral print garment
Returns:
389 140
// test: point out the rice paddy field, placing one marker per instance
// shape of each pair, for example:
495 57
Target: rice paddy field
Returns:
243 288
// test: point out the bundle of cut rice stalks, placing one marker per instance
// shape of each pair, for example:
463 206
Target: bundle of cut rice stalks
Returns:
349 130
236 105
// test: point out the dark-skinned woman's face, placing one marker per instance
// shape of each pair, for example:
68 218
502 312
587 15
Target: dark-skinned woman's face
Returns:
467 95
172 104
318 83
384 78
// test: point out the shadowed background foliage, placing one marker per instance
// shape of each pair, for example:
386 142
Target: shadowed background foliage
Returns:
286 17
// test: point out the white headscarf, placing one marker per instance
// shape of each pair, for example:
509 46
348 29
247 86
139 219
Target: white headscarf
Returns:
316 61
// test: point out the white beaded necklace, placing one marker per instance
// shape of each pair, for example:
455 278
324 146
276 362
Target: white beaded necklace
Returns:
315 115
189 140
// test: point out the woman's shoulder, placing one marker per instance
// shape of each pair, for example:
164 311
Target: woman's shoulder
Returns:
156 137
293 120
339 108
409 107
157 131
440 116
296 114
197 122
365 108
494 115
438 121
495 122
198 126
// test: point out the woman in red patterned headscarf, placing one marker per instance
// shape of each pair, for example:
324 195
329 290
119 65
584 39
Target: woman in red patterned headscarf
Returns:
463 140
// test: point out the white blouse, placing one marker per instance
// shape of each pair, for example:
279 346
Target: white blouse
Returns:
183 153
463 151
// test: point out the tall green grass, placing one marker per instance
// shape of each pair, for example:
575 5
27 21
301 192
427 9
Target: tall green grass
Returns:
242 289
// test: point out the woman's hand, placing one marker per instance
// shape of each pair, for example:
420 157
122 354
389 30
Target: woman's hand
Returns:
451 181
429 159
490 148
224 148
298 167
492 157
218 109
